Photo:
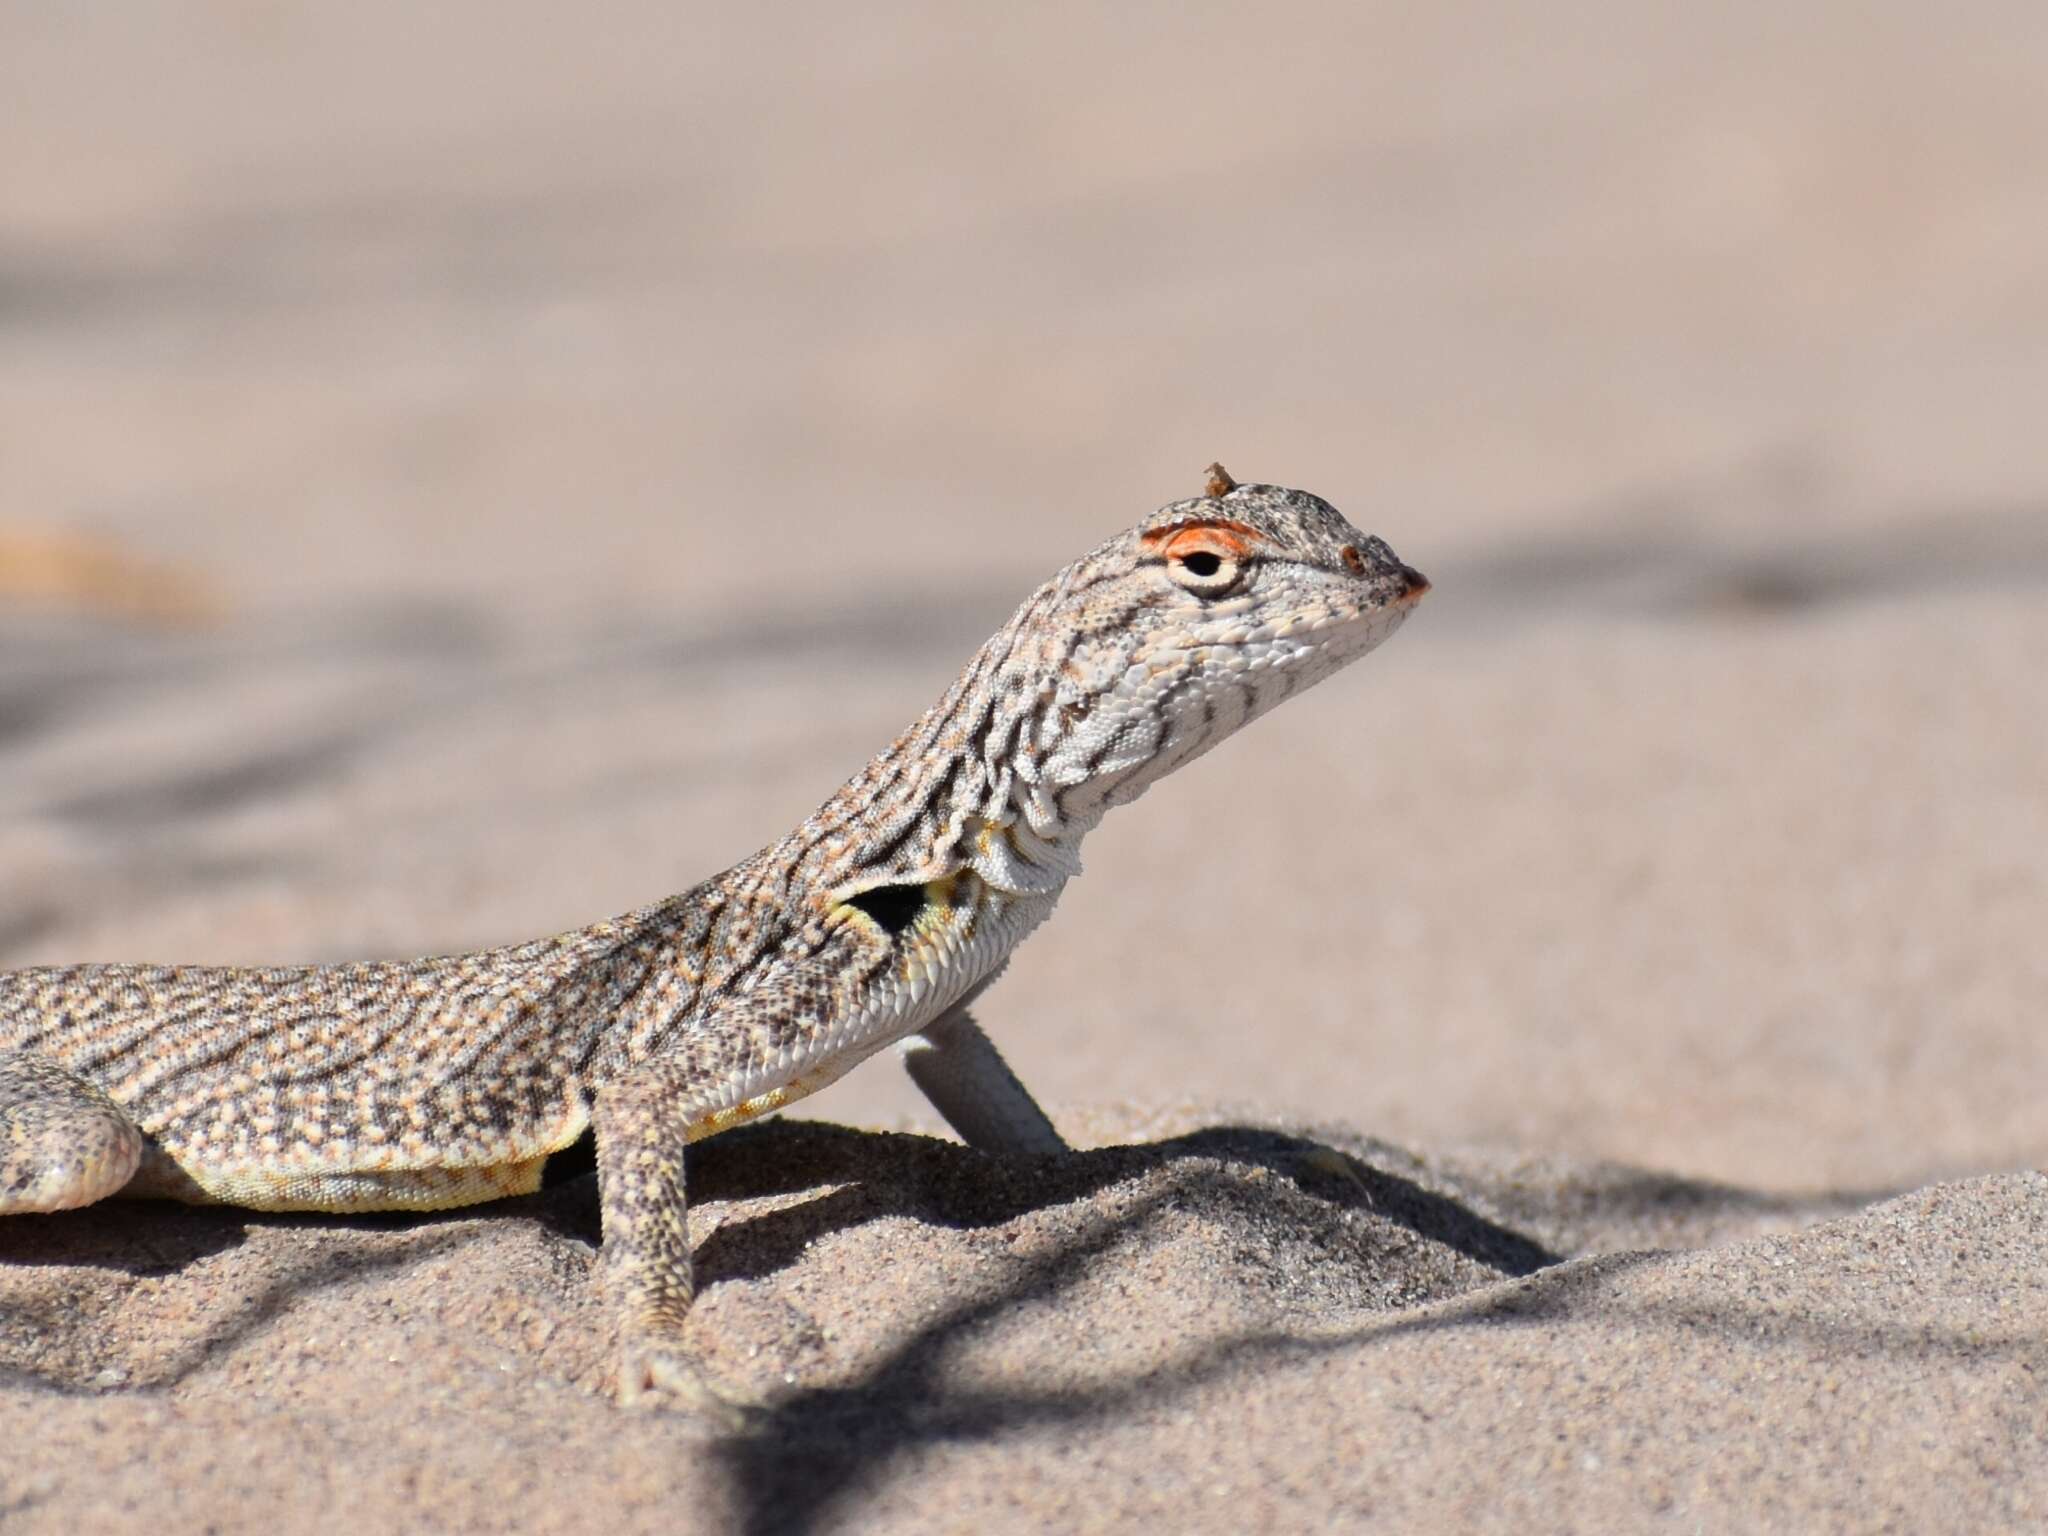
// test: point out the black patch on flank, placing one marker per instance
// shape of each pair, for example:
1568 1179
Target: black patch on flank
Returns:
895 907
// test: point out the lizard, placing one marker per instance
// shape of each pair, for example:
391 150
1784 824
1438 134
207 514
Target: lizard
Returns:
441 1082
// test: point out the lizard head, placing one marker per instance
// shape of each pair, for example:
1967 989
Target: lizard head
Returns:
1192 624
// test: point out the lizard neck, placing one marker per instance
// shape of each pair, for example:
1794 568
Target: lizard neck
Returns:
963 788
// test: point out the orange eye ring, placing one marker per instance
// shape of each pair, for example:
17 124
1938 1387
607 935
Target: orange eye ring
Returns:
1206 560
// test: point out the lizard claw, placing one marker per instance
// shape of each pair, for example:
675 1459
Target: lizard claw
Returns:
655 1377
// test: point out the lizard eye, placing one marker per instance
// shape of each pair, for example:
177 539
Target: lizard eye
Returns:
1205 562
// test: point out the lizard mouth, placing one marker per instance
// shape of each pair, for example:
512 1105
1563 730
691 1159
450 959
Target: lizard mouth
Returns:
1368 627
1414 587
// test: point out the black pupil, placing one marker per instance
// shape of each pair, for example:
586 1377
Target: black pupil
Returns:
1202 563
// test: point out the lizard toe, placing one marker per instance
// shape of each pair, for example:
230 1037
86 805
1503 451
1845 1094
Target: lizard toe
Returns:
659 1378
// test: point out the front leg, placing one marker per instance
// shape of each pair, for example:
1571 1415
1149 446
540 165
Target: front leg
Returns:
642 1125
767 1046
643 1121
959 1070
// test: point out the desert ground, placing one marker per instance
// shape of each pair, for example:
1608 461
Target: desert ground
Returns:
465 472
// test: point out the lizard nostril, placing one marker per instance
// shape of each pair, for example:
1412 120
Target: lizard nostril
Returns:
1414 583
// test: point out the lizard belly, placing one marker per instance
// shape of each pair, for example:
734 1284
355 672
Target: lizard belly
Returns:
800 1087
382 1179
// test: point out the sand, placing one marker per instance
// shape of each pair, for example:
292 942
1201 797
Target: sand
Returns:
463 474
1235 1324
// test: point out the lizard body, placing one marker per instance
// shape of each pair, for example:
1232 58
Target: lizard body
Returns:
425 1084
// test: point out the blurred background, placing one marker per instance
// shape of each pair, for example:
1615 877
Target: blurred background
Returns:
472 469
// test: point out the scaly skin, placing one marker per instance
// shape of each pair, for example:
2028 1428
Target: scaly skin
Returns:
440 1082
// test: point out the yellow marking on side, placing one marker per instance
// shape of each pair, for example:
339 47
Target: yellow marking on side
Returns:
740 1114
776 1098
840 913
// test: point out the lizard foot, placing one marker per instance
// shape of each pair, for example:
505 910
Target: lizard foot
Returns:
657 1376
